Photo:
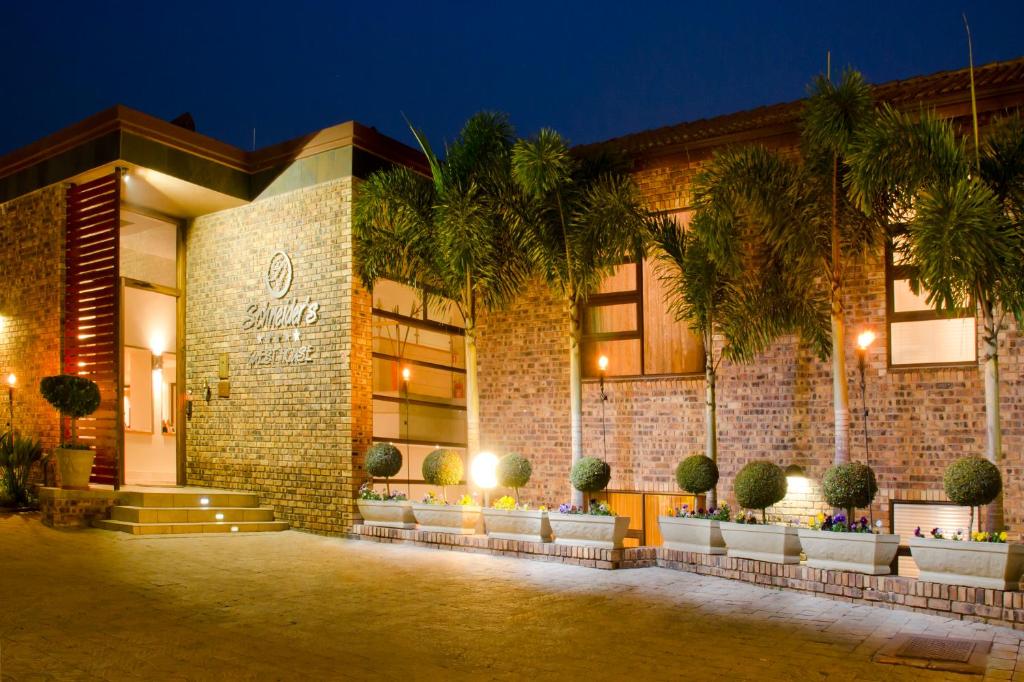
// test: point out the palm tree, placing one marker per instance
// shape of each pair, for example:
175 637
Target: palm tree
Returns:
578 218
962 205
447 234
723 277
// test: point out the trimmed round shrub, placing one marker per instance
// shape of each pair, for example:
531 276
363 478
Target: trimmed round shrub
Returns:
759 485
72 396
443 467
383 460
972 482
697 474
590 474
514 471
849 486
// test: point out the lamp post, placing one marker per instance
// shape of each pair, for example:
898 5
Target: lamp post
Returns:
864 341
11 381
602 365
405 423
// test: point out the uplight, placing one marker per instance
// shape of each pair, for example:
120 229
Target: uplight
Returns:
484 470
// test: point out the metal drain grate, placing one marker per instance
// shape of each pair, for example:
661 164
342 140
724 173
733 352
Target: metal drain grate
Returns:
937 649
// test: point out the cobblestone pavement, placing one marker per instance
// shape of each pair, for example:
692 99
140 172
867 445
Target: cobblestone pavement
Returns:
93 604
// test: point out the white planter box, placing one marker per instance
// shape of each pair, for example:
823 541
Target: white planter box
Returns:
991 565
605 532
387 513
691 535
762 542
529 525
858 552
447 518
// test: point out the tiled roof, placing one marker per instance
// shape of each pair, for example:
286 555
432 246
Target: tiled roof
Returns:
934 90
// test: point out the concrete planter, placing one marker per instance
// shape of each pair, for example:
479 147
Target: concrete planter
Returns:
991 565
857 552
692 535
447 518
530 525
762 542
75 467
605 532
387 513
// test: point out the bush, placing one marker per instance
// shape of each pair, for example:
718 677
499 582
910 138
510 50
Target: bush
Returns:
514 472
72 396
17 456
849 486
383 460
697 474
443 468
590 474
972 482
759 485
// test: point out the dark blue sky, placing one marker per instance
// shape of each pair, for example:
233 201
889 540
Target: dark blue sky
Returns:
592 70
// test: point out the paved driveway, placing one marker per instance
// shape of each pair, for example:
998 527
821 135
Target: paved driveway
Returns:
100 605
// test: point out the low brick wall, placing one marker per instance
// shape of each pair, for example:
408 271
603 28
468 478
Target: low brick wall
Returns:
74 508
591 557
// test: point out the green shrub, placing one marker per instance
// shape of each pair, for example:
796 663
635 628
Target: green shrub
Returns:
17 456
443 468
514 472
972 482
383 460
759 485
697 474
73 397
849 486
590 474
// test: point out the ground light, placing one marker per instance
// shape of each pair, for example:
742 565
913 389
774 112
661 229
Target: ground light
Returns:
484 472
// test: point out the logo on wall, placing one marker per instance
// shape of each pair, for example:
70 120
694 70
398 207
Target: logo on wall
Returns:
278 277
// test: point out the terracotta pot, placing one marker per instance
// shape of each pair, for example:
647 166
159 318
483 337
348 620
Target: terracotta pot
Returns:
857 552
447 518
990 565
387 513
691 535
75 467
605 532
762 542
530 525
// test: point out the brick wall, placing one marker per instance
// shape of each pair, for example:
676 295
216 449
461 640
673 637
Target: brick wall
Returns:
31 270
779 407
287 431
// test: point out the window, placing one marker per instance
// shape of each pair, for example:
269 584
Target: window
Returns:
919 334
628 321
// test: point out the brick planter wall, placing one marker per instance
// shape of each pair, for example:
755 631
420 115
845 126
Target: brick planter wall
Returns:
61 508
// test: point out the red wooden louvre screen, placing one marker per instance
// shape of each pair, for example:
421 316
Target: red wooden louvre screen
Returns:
92 310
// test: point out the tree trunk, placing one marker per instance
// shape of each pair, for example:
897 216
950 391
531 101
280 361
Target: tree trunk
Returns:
74 432
710 422
576 390
472 400
840 389
993 426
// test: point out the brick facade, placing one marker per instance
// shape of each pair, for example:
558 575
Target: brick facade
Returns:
288 430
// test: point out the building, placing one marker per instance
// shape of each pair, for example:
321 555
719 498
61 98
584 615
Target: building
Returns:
210 293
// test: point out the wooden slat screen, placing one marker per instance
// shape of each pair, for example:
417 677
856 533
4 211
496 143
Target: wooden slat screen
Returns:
643 510
92 310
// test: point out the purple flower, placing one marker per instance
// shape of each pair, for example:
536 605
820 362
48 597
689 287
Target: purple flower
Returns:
839 518
565 508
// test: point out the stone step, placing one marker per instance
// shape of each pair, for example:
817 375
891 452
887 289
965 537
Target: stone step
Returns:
191 514
187 498
191 528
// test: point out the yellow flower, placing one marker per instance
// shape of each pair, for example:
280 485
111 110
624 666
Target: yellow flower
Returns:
1002 536
821 517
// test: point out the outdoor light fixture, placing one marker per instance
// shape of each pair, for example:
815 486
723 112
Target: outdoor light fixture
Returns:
864 341
219 516
484 470
602 364
405 425
796 479
406 374
204 501
11 380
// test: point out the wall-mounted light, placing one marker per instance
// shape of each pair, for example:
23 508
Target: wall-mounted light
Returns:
11 380
406 374
796 479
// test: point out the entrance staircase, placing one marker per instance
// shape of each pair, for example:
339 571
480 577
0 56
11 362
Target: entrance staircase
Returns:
186 511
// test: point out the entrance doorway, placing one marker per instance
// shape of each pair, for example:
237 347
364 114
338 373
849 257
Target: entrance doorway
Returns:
151 362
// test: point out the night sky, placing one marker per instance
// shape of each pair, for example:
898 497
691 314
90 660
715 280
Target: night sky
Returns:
593 70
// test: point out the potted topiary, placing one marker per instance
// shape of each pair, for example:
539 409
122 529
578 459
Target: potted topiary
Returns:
759 485
509 519
840 542
976 559
74 397
443 468
391 510
695 529
596 525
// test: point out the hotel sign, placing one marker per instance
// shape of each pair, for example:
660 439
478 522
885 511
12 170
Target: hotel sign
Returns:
278 322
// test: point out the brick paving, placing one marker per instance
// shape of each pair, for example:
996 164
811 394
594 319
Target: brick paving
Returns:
94 605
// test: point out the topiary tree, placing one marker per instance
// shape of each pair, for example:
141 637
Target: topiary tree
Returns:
74 397
443 468
849 486
590 475
383 460
697 474
514 472
759 485
972 482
